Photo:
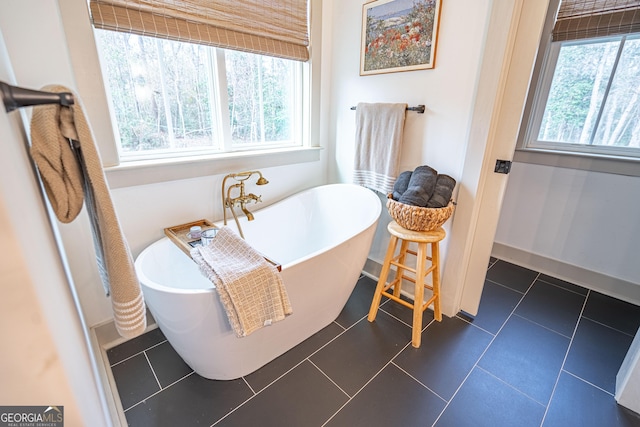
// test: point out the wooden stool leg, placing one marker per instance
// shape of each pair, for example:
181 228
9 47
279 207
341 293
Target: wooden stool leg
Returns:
386 265
435 259
400 270
416 335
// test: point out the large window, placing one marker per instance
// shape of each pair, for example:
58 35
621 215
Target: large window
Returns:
588 99
172 98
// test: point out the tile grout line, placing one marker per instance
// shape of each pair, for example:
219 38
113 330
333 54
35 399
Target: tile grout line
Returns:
587 382
562 287
376 374
566 354
330 379
343 328
493 338
365 384
514 388
287 372
510 288
543 326
306 359
416 380
136 354
249 385
152 370
475 326
237 407
159 391
243 378
608 326
405 323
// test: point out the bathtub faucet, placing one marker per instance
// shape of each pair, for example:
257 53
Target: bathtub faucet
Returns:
242 199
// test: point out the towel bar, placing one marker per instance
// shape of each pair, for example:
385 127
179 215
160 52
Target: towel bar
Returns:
419 109
14 97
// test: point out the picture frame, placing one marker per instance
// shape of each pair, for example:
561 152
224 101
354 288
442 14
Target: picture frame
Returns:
399 35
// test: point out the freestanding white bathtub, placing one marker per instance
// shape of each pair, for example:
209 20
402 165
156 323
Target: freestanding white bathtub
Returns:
321 237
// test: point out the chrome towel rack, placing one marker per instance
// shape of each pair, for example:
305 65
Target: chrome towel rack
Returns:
419 109
14 97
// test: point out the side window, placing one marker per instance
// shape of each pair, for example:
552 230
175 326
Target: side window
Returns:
584 99
588 99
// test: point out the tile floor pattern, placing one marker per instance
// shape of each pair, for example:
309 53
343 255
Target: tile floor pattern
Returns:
540 352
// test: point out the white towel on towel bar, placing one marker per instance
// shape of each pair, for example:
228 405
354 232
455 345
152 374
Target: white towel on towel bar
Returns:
379 129
250 288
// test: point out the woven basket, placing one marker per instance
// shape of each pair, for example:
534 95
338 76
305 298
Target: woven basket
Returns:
416 218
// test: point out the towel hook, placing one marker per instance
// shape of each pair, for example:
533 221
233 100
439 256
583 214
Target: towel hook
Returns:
15 97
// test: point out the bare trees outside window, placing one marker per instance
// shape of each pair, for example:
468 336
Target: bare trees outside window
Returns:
590 97
171 98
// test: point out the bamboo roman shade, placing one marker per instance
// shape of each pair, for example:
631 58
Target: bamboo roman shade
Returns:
269 27
581 19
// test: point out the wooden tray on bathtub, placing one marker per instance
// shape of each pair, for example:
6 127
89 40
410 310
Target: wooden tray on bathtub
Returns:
179 234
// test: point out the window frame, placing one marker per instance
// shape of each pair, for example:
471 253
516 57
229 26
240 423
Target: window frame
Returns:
216 72
141 171
567 155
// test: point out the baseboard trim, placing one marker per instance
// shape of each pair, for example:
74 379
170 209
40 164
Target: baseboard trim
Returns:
608 285
103 337
372 269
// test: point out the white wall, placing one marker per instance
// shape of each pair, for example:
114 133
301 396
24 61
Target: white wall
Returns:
583 219
438 137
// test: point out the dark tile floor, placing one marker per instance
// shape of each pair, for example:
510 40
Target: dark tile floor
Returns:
540 352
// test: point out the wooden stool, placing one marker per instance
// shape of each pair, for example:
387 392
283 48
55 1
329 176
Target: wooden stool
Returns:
421 238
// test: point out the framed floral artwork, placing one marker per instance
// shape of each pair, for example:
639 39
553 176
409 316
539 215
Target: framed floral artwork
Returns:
399 35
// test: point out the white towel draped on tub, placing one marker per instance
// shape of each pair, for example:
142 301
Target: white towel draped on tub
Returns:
250 288
379 129
70 171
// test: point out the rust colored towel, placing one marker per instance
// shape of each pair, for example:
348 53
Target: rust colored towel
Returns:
66 171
